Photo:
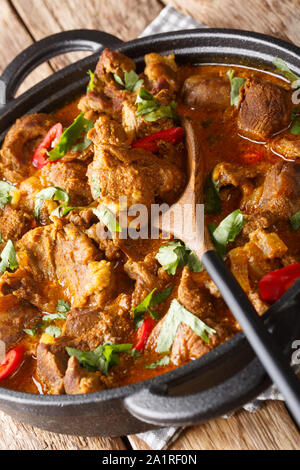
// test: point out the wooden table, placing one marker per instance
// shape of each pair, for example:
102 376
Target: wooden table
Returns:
23 22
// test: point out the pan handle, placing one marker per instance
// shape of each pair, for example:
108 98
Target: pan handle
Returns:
158 408
51 46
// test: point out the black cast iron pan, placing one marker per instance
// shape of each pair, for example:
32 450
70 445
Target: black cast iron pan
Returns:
225 378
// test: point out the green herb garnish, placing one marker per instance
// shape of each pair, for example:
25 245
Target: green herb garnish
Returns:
108 218
62 306
62 211
53 331
164 361
287 73
175 254
30 331
295 221
70 136
235 83
212 200
103 357
47 194
5 193
8 257
132 81
178 314
151 110
226 231
91 82
148 303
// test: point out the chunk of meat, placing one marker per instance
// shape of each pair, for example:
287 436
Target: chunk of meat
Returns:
213 92
79 380
161 72
135 173
52 361
71 177
188 345
15 316
90 327
147 275
111 62
96 232
249 263
193 295
287 145
281 190
108 131
264 109
59 258
19 145
137 127
14 223
107 96
247 179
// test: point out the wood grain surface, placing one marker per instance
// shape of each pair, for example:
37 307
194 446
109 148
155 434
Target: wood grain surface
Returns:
24 21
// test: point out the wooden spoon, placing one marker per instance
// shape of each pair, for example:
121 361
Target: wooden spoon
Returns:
195 235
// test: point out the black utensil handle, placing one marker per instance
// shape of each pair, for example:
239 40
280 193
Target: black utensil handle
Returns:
51 46
155 407
276 364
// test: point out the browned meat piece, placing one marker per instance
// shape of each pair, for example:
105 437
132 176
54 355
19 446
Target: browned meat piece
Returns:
261 220
193 295
188 346
135 173
107 96
112 62
161 72
15 315
59 256
281 190
246 178
137 127
226 173
19 145
96 232
28 190
14 223
108 131
72 178
79 380
147 275
52 361
261 255
287 145
90 327
211 92
264 109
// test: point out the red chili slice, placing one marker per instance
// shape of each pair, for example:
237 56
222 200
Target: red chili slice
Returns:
12 362
252 157
273 285
144 332
173 135
39 158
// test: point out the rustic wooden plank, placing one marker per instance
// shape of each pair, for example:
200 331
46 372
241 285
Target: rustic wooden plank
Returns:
125 19
17 436
265 16
269 428
14 38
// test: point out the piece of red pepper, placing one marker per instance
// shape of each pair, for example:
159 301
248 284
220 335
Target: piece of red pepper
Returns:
173 135
40 157
273 285
144 332
12 362
252 157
